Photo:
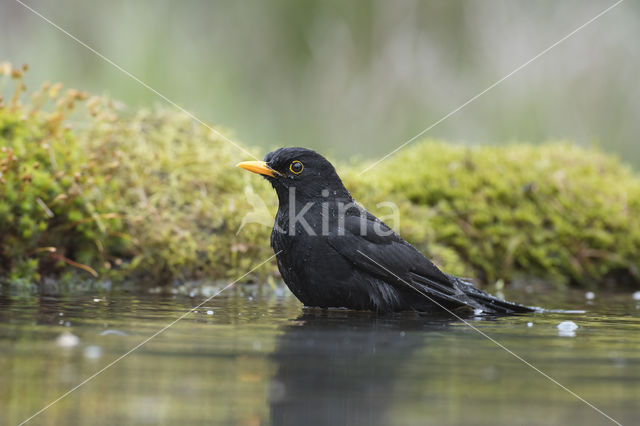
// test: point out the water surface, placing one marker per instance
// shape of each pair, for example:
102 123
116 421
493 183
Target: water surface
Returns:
253 356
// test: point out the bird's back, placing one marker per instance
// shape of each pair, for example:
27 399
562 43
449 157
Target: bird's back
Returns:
362 264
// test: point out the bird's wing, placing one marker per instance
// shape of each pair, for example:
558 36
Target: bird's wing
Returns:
374 248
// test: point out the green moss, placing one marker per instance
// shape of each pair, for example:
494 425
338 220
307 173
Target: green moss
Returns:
555 211
50 187
182 199
152 196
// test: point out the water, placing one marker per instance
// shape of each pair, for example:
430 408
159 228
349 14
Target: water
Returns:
252 356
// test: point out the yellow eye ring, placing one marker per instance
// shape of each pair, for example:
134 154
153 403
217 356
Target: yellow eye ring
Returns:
296 167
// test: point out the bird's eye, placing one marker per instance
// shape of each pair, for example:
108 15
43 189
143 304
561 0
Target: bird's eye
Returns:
296 167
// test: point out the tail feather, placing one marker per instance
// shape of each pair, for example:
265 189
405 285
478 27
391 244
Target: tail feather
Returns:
460 293
490 303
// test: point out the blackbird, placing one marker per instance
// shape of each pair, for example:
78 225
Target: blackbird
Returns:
331 252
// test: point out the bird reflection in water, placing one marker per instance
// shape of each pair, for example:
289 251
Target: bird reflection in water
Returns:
340 367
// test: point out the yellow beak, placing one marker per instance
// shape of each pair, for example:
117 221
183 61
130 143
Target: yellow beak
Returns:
259 167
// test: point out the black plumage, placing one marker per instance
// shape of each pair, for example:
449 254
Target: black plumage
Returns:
332 252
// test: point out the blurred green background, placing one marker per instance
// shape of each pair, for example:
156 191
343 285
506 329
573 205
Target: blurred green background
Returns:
357 77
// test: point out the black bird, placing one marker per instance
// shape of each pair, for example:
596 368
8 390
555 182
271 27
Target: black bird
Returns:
331 252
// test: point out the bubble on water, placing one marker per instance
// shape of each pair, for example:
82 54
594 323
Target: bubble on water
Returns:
567 329
636 295
209 312
529 324
567 325
97 300
67 340
93 352
590 295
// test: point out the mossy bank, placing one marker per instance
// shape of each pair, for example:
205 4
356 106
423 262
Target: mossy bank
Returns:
153 197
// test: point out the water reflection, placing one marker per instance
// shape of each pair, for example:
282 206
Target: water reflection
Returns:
340 367
265 360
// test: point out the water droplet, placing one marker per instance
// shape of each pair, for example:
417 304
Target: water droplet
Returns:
67 340
567 329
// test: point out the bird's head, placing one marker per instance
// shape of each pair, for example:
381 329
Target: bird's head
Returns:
308 172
